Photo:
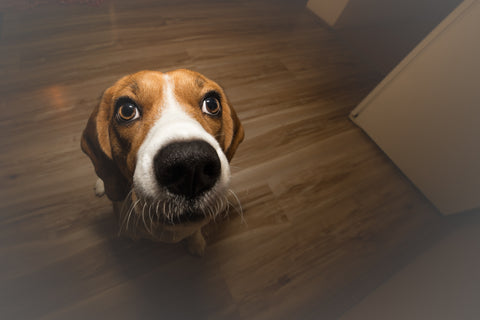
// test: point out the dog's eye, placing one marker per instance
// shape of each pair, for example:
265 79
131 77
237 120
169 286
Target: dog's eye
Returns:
127 112
211 106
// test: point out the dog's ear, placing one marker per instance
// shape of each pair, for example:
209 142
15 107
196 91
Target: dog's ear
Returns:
96 144
238 135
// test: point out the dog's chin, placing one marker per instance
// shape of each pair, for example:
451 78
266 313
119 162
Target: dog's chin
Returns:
168 217
171 209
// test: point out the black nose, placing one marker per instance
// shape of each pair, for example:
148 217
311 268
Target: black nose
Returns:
187 168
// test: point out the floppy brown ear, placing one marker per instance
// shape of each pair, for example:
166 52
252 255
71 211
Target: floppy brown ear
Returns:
96 144
238 135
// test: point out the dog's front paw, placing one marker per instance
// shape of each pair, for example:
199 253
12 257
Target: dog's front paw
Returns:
99 188
196 244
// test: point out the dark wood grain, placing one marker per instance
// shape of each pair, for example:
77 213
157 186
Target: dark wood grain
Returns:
327 216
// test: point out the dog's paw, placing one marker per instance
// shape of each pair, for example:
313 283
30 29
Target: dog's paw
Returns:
99 188
196 244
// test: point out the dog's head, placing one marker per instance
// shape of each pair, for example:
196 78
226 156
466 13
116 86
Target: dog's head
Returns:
165 140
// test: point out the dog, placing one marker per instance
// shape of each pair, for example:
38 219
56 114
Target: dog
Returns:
161 144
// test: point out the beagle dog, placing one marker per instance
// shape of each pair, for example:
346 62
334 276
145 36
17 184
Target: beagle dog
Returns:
161 144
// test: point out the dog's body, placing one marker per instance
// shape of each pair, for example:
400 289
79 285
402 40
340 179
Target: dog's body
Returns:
161 144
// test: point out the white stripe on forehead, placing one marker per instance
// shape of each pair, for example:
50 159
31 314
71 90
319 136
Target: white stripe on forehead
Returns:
173 124
168 95
174 121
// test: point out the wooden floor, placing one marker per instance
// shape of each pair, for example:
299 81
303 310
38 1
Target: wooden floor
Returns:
327 216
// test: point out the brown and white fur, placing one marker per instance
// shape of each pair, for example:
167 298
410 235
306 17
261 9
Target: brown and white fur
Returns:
161 144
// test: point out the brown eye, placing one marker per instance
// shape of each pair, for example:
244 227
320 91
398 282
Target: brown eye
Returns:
211 106
127 111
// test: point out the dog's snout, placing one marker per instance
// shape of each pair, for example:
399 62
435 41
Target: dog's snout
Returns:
187 168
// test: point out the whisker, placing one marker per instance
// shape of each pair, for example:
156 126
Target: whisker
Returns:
123 210
238 207
156 210
147 215
143 214
150 215
129 215
129 194
164 209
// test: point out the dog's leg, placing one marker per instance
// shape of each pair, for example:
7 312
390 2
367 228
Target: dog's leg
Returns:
196 243
99 188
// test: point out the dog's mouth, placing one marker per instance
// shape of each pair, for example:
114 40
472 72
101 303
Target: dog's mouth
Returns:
185 218
143 212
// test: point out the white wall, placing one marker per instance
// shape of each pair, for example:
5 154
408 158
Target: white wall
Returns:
425 113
